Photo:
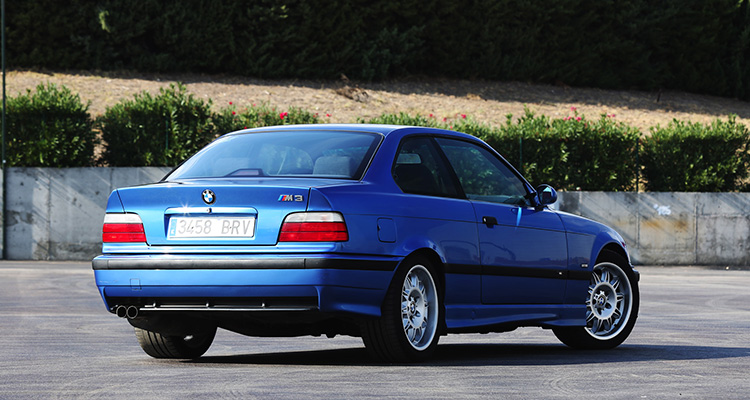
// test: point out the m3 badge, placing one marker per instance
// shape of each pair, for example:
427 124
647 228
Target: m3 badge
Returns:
291 197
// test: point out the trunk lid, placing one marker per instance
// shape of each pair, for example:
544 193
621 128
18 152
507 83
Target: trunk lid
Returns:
217 211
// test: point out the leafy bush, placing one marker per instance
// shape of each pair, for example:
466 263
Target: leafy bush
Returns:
600 154
49 128
533 147
571 153
229 119
692 157
158 130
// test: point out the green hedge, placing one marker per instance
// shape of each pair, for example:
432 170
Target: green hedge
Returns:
49 127
230 119
156 130
692 157
699 46
52 128
165 129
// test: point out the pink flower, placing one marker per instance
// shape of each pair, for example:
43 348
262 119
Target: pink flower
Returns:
328 115
573 109
445 119
432 116
233 113
283 115
230 103
578 118
463 116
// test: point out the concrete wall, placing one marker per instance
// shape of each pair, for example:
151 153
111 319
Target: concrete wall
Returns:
672 228
57 214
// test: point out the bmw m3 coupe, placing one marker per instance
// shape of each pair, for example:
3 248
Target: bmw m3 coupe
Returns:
398 235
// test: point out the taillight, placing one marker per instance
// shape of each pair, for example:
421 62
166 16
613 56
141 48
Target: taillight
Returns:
123 228
314 227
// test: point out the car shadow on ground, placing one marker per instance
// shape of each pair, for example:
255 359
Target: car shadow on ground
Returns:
492 354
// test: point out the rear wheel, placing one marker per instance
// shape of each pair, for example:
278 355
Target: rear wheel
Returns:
407 331
184 347
611 307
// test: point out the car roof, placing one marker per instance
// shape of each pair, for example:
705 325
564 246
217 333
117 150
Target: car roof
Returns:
384 130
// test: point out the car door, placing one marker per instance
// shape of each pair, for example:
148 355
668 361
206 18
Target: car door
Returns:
523 248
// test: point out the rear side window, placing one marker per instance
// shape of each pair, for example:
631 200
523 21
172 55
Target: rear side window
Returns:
420 169
328 154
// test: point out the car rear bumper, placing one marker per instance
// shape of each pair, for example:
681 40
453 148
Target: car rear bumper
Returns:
354 285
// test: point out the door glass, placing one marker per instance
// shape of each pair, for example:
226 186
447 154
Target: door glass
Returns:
483 176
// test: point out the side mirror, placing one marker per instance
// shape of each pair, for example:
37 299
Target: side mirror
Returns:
546 194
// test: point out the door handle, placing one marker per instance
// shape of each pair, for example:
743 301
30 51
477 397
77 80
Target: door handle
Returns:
489 221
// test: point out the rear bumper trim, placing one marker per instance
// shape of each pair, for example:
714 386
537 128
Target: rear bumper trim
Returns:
126 262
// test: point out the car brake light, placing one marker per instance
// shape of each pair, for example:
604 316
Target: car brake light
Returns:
314 227
123 228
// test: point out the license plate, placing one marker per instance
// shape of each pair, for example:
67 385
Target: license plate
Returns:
213 227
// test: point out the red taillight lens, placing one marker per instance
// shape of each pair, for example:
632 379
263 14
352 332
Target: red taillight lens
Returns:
123 228
314 227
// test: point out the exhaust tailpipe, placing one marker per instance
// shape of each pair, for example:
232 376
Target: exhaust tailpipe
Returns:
131 312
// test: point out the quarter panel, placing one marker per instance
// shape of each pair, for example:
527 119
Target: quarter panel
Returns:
446 226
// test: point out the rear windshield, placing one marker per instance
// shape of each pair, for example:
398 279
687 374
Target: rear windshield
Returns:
319 154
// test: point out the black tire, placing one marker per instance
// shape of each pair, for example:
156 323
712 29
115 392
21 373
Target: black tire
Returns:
178 347
612 304
408 329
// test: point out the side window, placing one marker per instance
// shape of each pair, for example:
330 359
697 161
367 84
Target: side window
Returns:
483 176
419 169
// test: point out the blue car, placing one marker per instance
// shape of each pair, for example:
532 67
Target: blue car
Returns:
394 234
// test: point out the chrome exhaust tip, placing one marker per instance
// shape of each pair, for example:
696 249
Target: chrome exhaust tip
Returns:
121 311
132 312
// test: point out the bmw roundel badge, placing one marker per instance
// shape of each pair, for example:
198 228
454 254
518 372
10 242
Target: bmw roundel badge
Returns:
208 196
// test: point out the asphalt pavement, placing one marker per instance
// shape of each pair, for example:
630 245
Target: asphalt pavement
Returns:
691 341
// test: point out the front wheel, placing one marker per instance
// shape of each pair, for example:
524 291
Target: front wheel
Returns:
178 347
407 330
611 307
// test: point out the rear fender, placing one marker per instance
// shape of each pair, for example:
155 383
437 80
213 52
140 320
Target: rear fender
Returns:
422 245
317 201
114 203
